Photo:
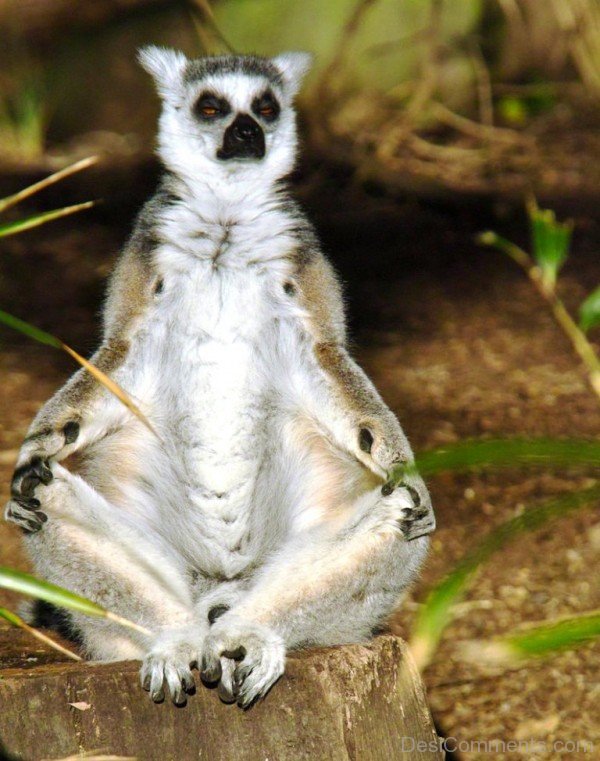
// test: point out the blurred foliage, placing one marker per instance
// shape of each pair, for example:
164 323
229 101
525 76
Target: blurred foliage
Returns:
589 311
550 245
437 611
23 118
385 50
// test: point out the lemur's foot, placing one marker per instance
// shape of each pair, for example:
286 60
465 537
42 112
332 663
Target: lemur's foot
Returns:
168 667
245 657
24 507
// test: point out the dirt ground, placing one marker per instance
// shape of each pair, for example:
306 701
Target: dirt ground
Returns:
459 347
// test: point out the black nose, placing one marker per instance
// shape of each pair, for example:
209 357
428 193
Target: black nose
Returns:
243 139
245 128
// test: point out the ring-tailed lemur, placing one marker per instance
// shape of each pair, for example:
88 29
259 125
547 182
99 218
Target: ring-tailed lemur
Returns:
260 501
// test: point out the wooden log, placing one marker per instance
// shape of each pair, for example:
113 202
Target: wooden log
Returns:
359 702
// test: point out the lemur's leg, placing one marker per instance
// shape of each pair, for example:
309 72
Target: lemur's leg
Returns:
77 415
97 550
324 586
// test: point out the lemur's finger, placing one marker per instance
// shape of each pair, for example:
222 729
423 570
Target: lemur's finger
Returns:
211 669
227 690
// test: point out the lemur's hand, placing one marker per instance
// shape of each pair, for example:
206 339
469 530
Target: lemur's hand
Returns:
33 469
244 657
24 507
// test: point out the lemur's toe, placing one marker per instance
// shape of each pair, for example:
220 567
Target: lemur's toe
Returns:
227 689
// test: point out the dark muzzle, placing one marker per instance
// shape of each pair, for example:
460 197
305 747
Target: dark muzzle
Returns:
243 139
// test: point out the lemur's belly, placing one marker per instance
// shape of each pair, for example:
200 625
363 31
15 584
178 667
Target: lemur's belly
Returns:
210 400
219 424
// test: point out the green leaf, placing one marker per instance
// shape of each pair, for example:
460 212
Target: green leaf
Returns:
436 612
467 455
25 584
589 311
534 641
550 240
20 225
17 581
554 635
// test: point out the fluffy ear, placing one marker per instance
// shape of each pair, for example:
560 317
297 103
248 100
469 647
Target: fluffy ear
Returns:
293 67
165 65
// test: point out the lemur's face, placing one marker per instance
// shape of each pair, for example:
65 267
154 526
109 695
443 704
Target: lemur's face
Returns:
231 110
237 117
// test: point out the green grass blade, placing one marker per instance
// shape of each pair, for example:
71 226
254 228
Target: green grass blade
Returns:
37 187
471 454
29 330
20 225
436 612
535 641
46 338
15 620
25 584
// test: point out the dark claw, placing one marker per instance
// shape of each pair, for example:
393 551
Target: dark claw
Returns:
240 675
246 704
179 698
211 672
158 696
188 685
225 696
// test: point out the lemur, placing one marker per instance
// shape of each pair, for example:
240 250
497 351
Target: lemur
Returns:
259 518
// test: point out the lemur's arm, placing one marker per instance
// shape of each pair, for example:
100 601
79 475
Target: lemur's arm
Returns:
332 388
83 411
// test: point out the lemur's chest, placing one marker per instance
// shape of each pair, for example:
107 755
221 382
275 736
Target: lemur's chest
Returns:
210 340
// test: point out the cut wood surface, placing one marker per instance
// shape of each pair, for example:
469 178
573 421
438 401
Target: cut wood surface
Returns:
359 702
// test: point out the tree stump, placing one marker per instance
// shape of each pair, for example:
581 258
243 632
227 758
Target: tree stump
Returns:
358 702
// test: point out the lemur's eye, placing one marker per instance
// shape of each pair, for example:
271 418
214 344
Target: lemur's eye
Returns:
209 106
266 106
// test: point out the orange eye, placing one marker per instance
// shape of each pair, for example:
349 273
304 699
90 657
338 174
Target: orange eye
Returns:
209 111
267 111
